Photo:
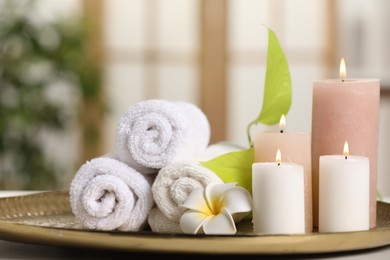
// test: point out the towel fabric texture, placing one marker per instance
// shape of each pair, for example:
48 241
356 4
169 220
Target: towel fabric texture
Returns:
155 133
107 194
161 224
176 181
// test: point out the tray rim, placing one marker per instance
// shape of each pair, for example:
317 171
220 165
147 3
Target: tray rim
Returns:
148 241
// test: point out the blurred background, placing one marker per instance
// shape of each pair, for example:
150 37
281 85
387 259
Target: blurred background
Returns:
70 68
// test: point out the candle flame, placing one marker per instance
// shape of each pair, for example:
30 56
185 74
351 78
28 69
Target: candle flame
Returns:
278 157
282 122
346 149
343 69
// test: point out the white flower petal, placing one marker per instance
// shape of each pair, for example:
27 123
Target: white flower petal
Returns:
222 223
213 193
196 201
191 221
236 200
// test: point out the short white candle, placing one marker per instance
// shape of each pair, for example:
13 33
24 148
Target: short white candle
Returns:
296 148
278 198
344 193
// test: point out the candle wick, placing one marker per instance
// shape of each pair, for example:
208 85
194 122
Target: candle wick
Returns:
281 131
278 163
342 80
346 157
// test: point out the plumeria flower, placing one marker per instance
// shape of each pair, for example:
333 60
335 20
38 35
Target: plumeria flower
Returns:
215 209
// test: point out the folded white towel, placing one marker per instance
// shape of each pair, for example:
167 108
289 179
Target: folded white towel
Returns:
159 223
107 194
176 181
154 133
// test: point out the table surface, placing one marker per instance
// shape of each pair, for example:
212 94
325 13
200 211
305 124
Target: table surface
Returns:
14 250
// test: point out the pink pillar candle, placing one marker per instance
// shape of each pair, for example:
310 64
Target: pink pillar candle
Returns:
296 148
345 110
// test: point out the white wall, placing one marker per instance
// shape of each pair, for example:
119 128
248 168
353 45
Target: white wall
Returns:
300 26
363 39
134 30
300 31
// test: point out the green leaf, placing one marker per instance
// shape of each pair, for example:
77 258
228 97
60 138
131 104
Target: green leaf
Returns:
234 167
379 196
277 86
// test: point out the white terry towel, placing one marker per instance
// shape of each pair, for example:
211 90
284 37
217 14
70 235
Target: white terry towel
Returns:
107 194
161 224
154 133
176 181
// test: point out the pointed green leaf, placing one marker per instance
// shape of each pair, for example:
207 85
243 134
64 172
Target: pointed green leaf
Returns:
277 86
234 167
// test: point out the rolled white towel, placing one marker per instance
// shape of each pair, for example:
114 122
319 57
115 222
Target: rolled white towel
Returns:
154 133
107 194
159 223
176 181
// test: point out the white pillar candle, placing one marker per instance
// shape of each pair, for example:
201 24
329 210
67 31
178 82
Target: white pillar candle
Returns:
296 147
278 198
344 193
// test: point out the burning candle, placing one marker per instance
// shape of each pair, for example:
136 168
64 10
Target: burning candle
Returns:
278 197
344 192
296 147
345 109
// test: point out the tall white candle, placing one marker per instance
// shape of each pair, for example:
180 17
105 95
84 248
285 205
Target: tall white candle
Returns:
278 198
344 193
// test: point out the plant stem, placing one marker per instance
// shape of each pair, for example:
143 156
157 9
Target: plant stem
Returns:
248 132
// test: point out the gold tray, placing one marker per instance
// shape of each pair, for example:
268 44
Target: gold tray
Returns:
46 218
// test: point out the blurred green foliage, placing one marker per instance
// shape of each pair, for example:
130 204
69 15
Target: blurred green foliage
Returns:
35 58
